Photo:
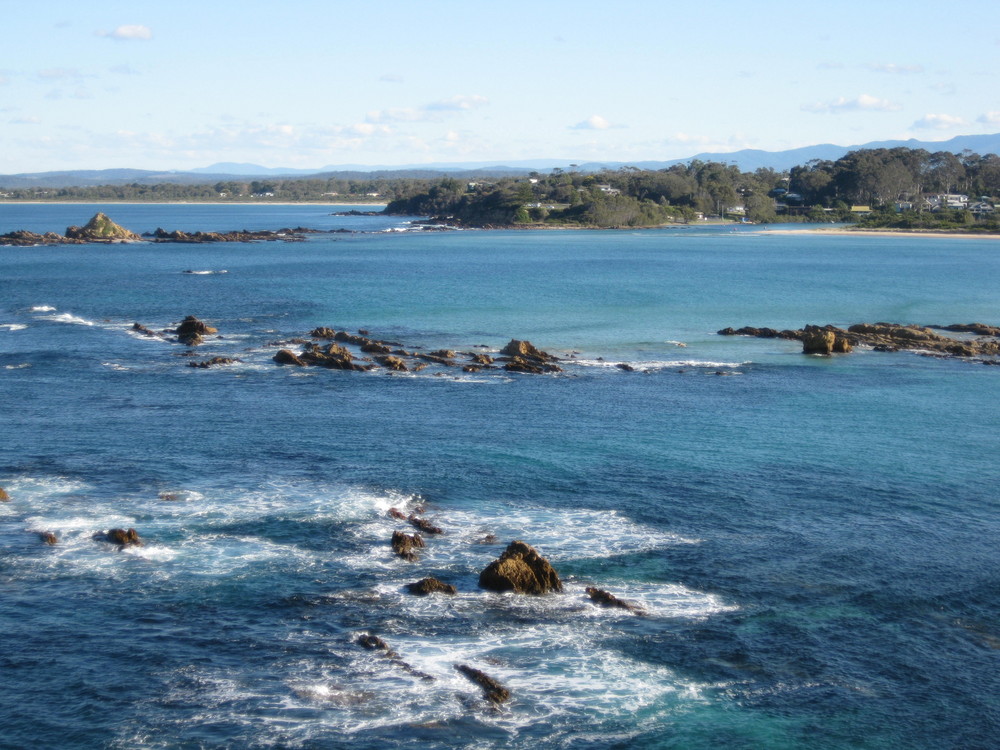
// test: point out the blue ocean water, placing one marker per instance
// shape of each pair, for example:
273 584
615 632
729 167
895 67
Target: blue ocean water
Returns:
813 539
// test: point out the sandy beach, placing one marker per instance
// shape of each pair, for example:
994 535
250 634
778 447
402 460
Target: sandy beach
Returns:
881 233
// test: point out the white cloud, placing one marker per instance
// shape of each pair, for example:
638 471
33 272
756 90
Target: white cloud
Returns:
391 78
594 122
863 103
895 69
990 118
25 121
939 122
428 112
129 33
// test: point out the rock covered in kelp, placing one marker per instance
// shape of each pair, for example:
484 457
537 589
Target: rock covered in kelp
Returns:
522 570
492 690
430 586
606 599
406 545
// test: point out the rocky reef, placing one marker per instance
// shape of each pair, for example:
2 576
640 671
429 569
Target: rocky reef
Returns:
100 229
886 337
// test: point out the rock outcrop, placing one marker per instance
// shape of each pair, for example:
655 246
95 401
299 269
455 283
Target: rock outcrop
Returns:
101 229
122 537
492 690
523 356
244 235
4 497
430 586
374 643
522 570
886 337
214 362
192 331
424 525
406 545
48 537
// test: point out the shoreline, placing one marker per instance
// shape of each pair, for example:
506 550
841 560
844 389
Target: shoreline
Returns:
929 233
181 203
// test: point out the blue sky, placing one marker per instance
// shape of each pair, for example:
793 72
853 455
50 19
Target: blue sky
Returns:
305 84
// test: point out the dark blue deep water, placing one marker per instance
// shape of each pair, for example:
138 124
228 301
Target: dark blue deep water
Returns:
814 540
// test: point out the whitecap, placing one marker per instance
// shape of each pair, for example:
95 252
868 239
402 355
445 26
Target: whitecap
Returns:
68 318
42 308
13 326
20 366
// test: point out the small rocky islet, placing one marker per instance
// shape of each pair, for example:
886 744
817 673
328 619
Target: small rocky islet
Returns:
888 337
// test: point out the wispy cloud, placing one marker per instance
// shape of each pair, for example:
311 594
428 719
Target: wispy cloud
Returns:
123 70
128 33
863 103
24 121
895 69
432 111
391 78
59 73
594 122
990 118
939 122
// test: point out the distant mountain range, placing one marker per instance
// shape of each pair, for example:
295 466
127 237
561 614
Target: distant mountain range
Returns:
746 160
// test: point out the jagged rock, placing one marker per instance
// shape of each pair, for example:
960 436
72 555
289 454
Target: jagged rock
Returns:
492 690
48 537
101 229
334 357
374 347
517 348
391 362
605 599
471 368
520 569
322 333
4 497
424 525
430 586
288 357
405 545
488 539
818 342
121 537
396 513
531 366
481 359
443 353
980 329
191 330
214 362
625 366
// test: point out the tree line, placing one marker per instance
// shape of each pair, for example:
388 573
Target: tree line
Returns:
628 197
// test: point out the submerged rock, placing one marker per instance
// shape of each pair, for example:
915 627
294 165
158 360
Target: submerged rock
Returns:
492 690
522 570
4 497
430 586
288 357
214 362
424 525
606 599
48 537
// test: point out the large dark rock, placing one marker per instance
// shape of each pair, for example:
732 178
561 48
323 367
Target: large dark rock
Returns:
493 690
527 350
406 545
121 537
430 586
191 331
288 357
818 341
520 569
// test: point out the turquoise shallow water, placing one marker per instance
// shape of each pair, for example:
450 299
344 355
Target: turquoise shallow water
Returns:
813 539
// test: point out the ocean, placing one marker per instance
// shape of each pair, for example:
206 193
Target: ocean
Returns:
812 541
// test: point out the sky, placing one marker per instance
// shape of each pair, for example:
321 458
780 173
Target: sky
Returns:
308 83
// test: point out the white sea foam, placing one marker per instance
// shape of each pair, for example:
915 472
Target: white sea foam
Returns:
42 308
20 366
204 273
13 326
662 364
67 318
